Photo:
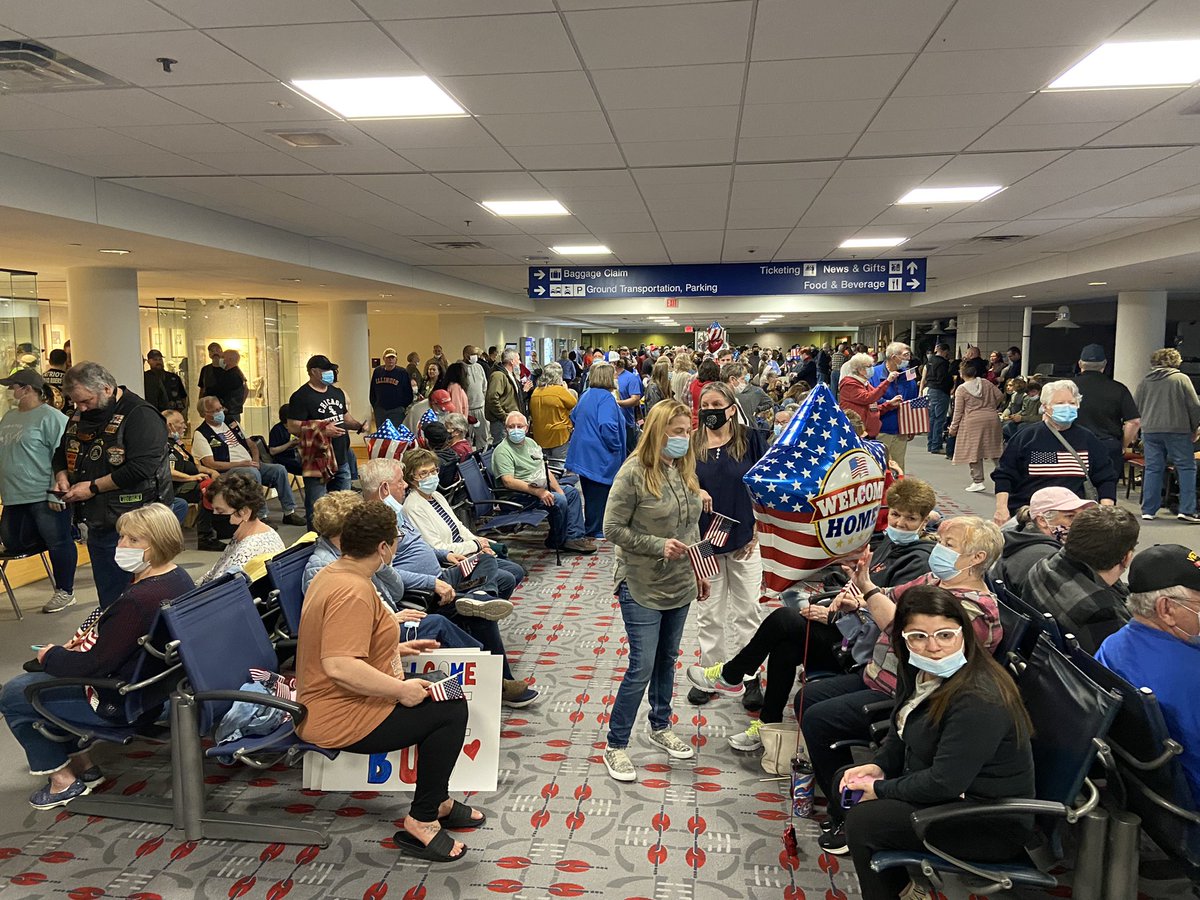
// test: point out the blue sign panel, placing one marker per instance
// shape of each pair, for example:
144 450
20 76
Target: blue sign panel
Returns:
830 276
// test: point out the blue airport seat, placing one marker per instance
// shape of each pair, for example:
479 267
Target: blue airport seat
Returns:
487 508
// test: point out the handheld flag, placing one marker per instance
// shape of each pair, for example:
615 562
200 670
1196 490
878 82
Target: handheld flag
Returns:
817 494
703 558
447 689
913 416
389 442
718 529
468 564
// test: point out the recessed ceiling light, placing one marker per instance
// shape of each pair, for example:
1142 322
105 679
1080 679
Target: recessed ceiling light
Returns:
864 243
509 208
385 295
1019 296
410 96
115 252
1097 283
951 194
292 280
581 250
1131 65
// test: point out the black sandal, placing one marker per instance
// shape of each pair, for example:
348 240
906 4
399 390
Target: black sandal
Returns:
460 817
437 850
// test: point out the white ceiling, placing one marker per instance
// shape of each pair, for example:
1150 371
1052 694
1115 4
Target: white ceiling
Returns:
726 130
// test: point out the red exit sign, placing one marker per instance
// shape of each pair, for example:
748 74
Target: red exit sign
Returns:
672 303
688 329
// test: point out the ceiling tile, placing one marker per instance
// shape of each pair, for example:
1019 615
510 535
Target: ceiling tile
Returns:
615 4
984 25
125 106
531 92
497 186
1030 137
55 18
149 162
670 86
204 61
962 111
252 162
1179 203
989 168
584 181
20 114
346 50
533 129
686 34
783 171
888 143
568 156
1067 107
1163 20
771 204
902 168
420 134
217 13
785 29
942 73
693 246
850 212
603 224
668 175
822 146
660 153
846 78
451 159
753 245
700 123
444 9
485 45
807 119
209 138
78 141
228 103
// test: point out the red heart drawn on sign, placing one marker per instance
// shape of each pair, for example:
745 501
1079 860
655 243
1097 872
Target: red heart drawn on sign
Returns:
472 749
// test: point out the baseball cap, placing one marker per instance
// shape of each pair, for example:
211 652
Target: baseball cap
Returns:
1164 566
1050 499
154 354
1092 353
441 399
390 351
436 434
24 376
320 361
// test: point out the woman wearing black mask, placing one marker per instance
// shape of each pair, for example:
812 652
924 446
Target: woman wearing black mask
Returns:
725 450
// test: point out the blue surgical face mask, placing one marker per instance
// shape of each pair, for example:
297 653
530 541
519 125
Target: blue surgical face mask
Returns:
428 484
395 505
327 376
778 429
676 447
1064 413
219 417
516 435
942 668
942 562
900 536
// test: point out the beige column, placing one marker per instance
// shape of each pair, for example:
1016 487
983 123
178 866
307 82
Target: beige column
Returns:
102 314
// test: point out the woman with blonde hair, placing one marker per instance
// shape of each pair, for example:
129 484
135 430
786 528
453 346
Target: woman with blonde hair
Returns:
658 388
681 374
105 646
652 515
550 407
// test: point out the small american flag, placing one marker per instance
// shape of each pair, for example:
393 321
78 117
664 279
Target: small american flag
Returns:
429 416
389 442
914 416
1060 464
859 467
447 689
703 558
467 566
718 529
910 375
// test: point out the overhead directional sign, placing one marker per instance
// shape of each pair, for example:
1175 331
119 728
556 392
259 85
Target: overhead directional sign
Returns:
829 276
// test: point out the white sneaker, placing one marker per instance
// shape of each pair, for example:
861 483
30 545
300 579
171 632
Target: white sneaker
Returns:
619 765
492 609
747 740
669 741
1146 518
976 487
59 601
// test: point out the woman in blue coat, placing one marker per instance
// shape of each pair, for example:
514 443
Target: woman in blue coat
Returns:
597 446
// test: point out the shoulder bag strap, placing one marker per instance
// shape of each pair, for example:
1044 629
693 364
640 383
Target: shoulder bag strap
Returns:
1089 489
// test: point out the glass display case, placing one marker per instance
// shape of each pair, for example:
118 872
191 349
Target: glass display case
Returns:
29 326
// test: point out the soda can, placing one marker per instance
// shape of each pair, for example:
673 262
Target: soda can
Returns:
802 788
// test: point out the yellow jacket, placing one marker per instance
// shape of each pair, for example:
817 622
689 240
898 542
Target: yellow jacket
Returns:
550 414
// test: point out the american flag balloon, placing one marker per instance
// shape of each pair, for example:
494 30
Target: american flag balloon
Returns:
389 442
817 494
428 416
716 337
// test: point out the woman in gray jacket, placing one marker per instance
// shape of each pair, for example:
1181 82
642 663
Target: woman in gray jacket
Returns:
652 517
1170 416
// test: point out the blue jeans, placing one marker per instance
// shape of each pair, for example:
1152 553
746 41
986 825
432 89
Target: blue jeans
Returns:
111 580
179 506
28 527
566 517
939 405
69 703
315 489
1161 447
273 475
595 499
508 575
438 628
653 648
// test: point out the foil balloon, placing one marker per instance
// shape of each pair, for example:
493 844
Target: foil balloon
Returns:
716 337
817 494
389 442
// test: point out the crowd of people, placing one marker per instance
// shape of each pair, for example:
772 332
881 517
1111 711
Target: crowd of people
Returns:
646 449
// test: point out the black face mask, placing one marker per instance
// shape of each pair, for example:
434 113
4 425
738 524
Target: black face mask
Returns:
714 418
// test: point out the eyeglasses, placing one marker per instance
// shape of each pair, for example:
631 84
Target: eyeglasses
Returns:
424 473
920 639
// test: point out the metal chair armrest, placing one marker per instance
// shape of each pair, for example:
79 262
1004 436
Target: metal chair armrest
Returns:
924 819
1171 749
33 696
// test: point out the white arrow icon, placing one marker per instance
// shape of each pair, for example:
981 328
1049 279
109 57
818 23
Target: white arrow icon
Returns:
913 283
539 274
912 267
539 290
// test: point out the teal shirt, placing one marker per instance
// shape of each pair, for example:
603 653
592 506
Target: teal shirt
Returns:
27 444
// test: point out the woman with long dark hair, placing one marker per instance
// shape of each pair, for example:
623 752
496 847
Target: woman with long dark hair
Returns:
455 382
959 731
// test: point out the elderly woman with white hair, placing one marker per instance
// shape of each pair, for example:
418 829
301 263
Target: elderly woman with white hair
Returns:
550 412
856 393
1054 453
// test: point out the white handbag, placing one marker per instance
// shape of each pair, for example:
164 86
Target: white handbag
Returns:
779 740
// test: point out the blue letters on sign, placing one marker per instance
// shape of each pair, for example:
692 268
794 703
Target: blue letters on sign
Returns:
379 770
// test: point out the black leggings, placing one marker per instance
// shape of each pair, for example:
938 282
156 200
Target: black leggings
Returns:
781 638
438 730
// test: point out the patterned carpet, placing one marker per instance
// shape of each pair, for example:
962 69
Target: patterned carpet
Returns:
558 826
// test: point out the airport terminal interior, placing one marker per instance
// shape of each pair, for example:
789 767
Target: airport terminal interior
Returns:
330 188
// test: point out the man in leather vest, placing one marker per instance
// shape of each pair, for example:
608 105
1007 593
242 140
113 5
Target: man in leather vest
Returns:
113 458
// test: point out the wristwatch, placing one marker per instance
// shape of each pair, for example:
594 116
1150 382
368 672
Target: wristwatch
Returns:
94 488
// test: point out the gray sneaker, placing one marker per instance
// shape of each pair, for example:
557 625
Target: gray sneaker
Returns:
59 601
669 741
491 609
619 765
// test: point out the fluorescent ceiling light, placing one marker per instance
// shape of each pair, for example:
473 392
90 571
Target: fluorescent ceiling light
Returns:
951 194
1097 283
115 252
853 243
581 250
510 208
1129 65
410 96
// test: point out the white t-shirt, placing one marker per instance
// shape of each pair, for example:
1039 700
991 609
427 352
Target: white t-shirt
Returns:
201 448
